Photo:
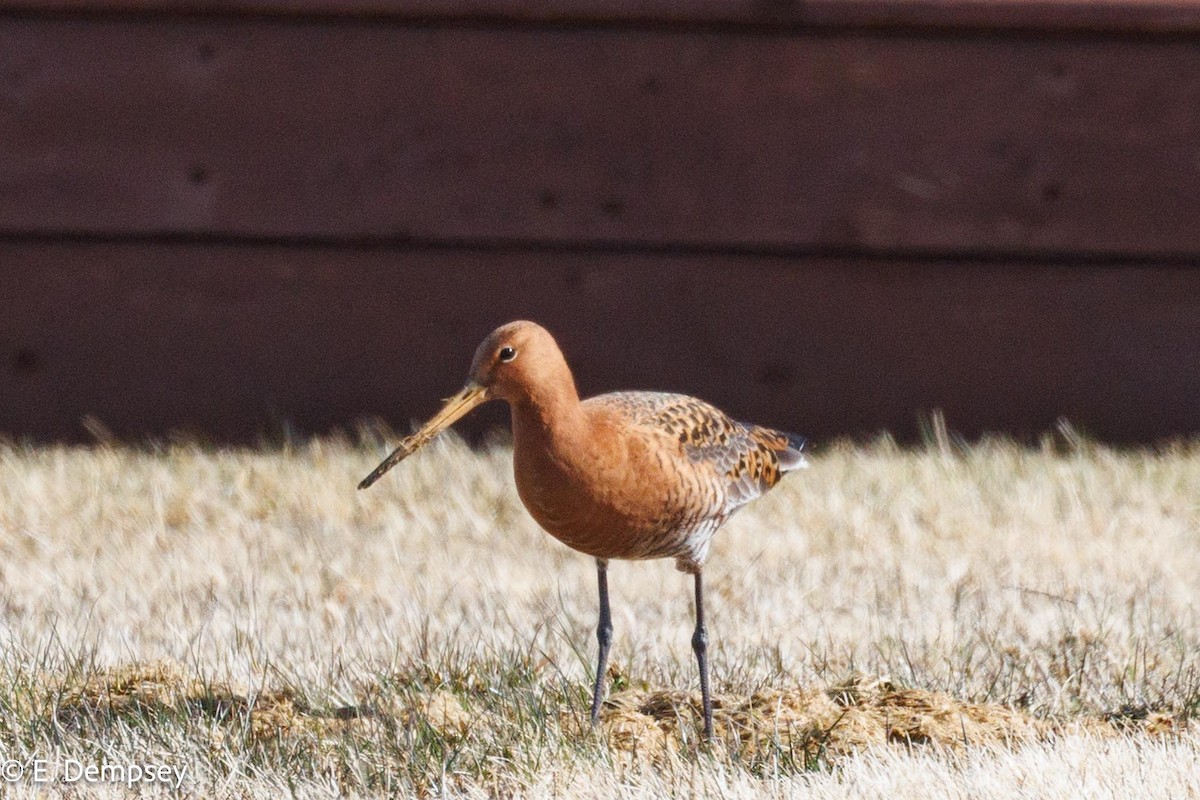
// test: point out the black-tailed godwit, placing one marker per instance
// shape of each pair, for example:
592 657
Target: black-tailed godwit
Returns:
627 475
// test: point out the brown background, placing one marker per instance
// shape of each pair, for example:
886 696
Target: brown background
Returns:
242 217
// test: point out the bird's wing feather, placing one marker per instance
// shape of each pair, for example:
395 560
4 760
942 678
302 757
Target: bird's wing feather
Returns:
748 459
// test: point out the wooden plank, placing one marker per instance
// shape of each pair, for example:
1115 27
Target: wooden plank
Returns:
233 341
629 138
1121 16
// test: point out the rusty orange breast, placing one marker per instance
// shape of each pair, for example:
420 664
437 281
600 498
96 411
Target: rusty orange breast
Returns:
605 487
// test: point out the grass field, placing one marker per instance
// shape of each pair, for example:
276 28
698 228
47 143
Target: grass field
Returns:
991 621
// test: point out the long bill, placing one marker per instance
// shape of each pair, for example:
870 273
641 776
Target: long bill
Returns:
454 409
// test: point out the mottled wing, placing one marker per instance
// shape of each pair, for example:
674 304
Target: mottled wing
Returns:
748 459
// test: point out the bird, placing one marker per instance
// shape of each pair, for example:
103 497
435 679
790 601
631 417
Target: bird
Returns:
626 475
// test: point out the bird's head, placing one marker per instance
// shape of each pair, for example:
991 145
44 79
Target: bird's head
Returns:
514 362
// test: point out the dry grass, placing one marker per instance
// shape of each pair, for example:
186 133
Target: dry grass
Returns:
990 621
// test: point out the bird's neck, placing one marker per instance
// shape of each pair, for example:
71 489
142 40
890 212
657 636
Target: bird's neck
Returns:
551 421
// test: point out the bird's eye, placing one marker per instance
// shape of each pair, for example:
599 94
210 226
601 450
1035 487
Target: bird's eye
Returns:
507 354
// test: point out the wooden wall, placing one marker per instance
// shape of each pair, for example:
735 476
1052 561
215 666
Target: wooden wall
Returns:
229 217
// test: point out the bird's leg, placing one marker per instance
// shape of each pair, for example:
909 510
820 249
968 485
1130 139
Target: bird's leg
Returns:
700 645
603 637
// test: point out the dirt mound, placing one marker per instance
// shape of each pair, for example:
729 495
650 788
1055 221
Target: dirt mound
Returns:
163 688
803 723
858 713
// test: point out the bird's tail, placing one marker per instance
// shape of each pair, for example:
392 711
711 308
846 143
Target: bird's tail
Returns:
792 457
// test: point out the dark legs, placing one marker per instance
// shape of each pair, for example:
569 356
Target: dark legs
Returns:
603 636
700 645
